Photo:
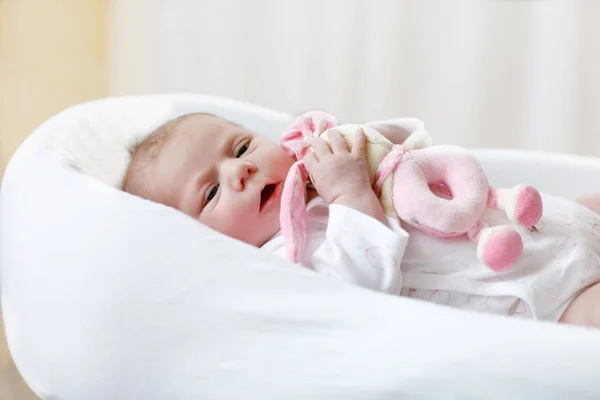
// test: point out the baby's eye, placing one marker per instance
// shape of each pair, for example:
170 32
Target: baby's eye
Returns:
212 193
241 151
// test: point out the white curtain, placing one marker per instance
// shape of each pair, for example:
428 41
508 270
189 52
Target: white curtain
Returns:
480 73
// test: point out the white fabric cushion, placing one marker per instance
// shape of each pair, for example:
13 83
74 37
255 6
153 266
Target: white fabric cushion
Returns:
107 296
97 143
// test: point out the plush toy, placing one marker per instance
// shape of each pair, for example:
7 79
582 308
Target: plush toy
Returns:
441 190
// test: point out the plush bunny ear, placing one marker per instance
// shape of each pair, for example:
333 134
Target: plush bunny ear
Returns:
418 140
293 217
293 141
311 124
408 131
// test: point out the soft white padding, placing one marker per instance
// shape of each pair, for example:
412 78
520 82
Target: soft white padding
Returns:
98 143
107 296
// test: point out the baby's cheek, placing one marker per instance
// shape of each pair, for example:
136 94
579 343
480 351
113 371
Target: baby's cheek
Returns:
238 224
219 221
278 157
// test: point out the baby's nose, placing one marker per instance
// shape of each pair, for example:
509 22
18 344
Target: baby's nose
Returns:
241 171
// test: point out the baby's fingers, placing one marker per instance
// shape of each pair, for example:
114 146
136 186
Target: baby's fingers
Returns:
320 148
310 160
360 140
337 142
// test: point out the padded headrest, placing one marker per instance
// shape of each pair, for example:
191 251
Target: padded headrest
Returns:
98 143
108 296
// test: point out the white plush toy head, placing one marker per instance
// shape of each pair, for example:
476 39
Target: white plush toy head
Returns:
418 140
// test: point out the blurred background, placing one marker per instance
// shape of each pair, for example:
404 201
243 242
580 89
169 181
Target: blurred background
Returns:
480 73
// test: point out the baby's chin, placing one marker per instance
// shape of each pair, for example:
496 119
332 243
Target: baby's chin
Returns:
254 237
266 234
257 229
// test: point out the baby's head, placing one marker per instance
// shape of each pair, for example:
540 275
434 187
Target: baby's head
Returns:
215 171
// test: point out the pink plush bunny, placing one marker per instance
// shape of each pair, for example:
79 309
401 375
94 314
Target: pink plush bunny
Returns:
441 190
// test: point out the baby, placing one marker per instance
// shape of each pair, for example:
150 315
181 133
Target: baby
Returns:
231 179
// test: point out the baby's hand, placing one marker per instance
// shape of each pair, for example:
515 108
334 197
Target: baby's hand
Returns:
341 176
335 171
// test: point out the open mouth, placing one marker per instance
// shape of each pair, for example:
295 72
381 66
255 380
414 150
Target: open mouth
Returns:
266 194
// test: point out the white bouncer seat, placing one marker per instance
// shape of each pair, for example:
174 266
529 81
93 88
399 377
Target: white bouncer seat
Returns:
107 296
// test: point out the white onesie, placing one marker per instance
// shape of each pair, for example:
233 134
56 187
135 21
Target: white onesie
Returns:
558 262
350 246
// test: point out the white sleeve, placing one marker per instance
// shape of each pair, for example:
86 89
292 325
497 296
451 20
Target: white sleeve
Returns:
359 249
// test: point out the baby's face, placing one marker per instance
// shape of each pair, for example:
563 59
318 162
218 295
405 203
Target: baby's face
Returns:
223 175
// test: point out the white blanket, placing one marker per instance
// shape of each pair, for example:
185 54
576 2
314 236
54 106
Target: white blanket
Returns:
107 296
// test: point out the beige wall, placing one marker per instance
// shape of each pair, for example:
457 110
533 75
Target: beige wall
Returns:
52 55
